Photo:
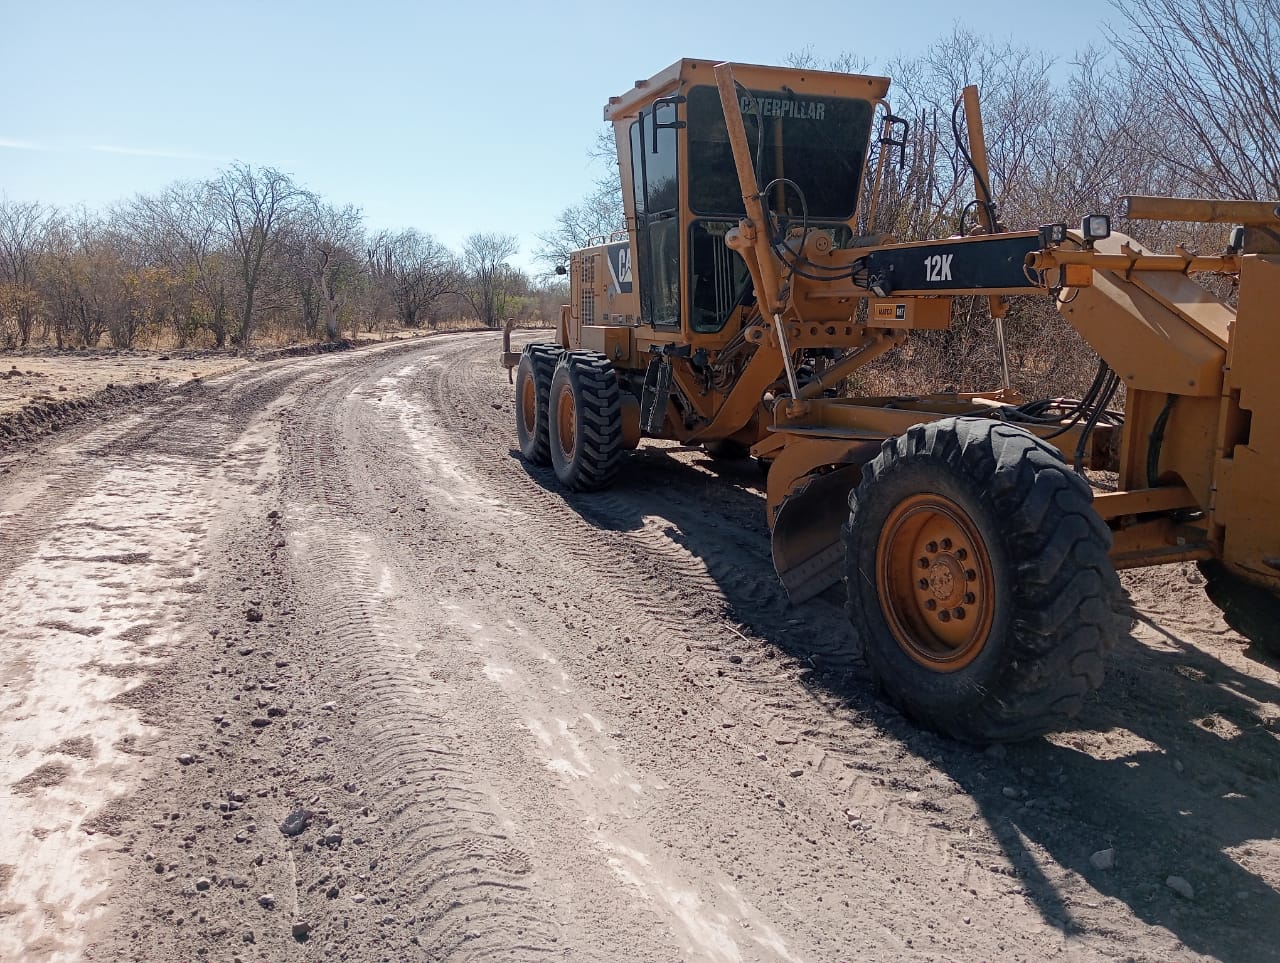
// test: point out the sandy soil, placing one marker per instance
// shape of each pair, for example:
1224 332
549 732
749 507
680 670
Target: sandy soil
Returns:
28 379
42 390
303 662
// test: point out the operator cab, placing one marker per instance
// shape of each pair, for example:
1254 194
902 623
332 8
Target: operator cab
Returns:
808 132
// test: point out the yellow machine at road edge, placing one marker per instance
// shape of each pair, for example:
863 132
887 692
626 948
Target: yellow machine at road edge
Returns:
979 566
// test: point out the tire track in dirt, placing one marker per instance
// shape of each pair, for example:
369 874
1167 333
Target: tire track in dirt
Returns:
447 843
101 557
338 904
694 924
669 624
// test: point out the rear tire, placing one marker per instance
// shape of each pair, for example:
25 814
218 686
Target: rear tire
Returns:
584 416
979 581
533 388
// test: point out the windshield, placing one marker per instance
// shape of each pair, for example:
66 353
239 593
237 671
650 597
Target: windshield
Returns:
818 142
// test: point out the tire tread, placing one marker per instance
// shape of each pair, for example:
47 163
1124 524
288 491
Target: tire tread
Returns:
1067 604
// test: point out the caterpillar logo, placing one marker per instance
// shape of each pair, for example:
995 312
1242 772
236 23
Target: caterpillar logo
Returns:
620 266
890 312
791 107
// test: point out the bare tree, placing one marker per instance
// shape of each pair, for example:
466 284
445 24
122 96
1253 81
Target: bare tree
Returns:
254 206
326 241
179 229
414 268
599 213
488 276
845 62
23 234
1209 69
82 278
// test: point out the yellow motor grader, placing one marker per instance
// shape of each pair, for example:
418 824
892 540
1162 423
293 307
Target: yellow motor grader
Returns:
979 566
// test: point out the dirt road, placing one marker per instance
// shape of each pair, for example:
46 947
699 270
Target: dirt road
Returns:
304 662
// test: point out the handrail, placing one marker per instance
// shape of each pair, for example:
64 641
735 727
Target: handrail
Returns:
613 237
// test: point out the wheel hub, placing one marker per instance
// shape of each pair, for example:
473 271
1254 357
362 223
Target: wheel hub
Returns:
566 423
529 405
935 582
943 575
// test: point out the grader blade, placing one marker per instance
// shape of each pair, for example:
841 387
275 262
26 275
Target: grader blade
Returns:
808 551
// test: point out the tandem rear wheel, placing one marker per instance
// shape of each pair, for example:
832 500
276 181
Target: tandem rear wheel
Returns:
979 582
584 421
533 389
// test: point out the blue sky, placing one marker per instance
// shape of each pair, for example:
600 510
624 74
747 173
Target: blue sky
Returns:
452 118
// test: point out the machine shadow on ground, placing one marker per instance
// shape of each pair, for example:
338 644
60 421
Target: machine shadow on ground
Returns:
1169 764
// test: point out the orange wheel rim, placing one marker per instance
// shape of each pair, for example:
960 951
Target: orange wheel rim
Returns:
566 422
934 579
529 405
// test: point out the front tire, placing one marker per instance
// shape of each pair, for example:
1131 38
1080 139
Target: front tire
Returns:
979 581
585 421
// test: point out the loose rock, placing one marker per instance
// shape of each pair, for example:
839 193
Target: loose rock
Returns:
296 822
1103 859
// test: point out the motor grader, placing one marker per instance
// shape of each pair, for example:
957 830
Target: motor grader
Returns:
979 566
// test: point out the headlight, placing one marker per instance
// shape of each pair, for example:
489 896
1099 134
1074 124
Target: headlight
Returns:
1095 227
1051 235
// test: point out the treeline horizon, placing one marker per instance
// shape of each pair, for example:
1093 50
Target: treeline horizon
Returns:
248 252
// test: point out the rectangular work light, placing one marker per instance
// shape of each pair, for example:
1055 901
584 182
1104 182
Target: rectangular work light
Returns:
1095 227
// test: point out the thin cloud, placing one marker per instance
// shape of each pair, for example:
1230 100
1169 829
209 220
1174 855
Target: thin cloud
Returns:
9 143
148 152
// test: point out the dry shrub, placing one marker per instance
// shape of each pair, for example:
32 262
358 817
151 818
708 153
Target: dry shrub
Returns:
1047 357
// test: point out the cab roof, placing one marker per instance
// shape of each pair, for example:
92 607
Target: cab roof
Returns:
689 72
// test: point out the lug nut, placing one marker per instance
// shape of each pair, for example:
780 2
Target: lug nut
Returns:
961 554
944 616
923 563
931 604
932 548
958 612
946 544
970 575
970 598
924 584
